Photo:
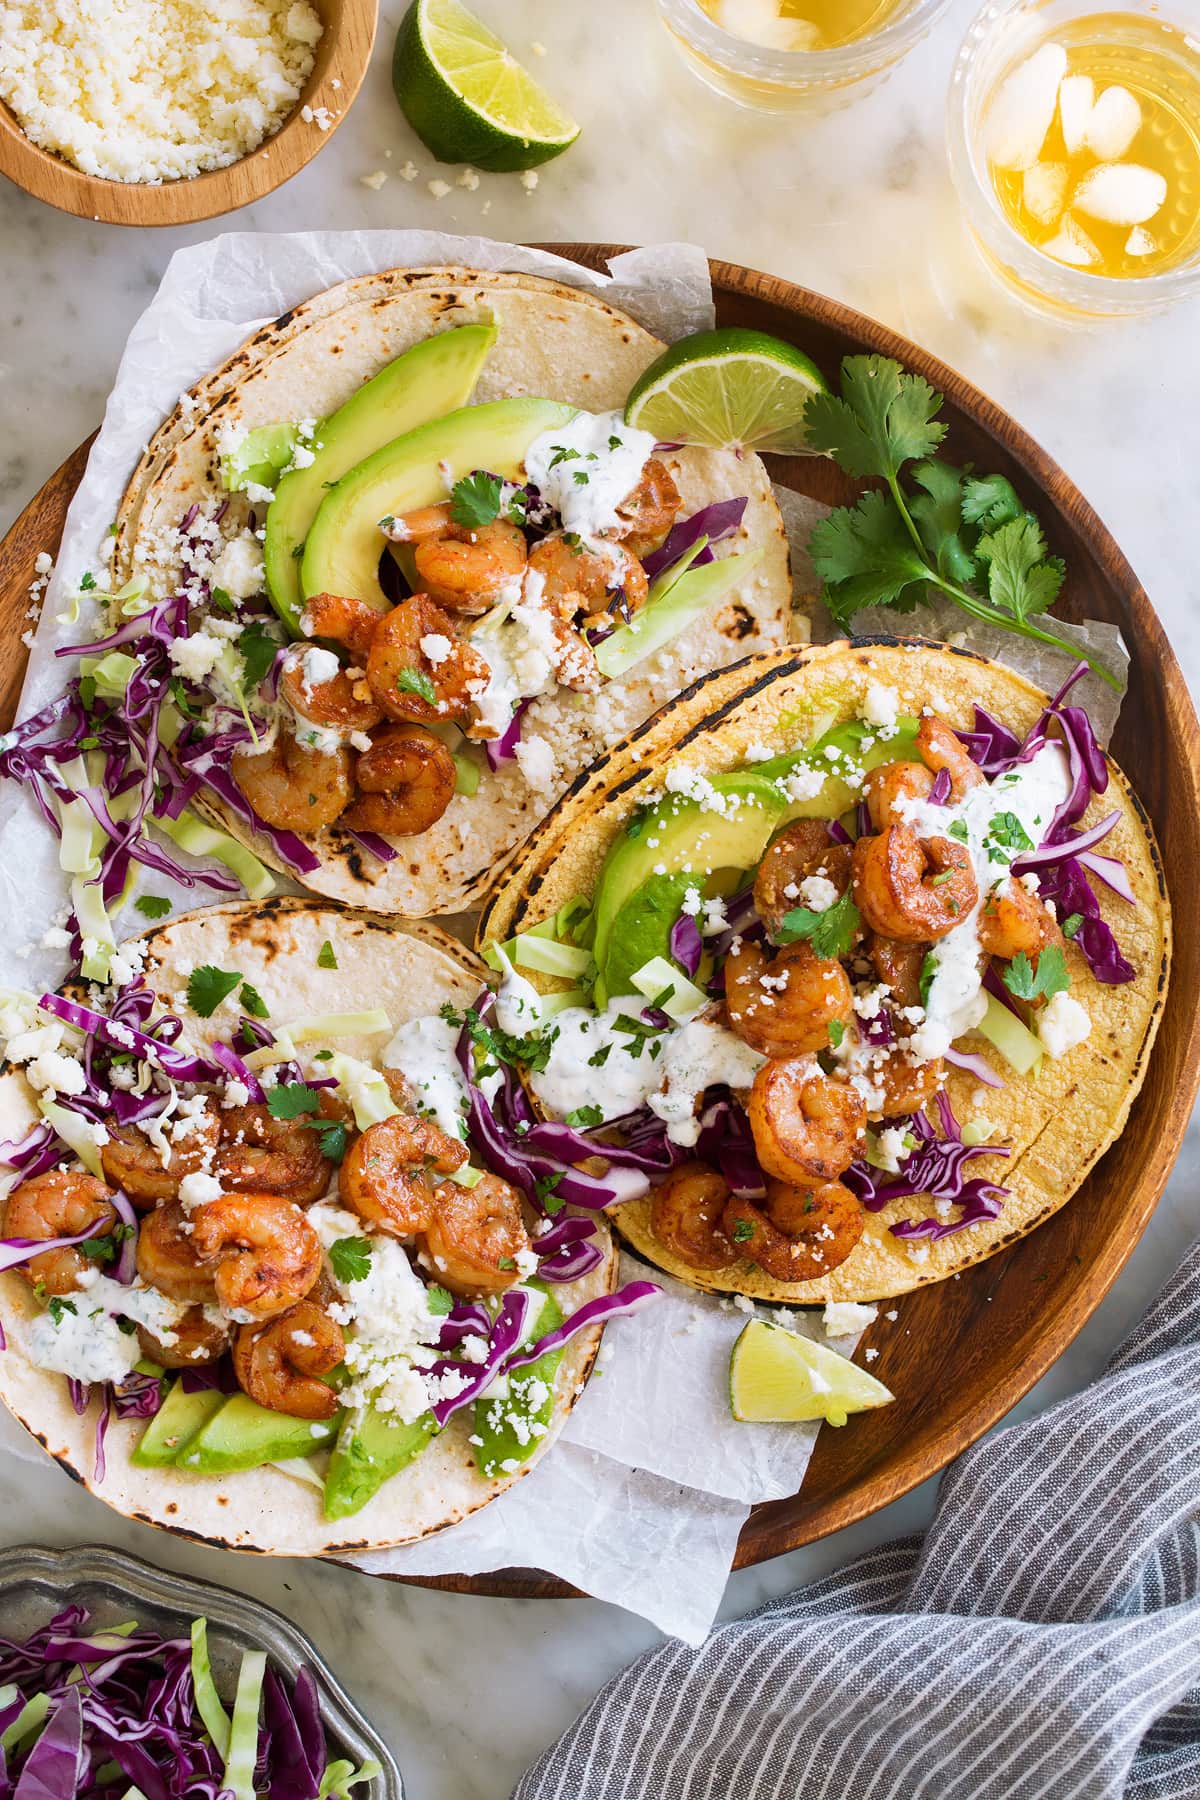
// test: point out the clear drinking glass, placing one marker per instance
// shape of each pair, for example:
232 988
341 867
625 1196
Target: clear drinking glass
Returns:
1144 48
789 80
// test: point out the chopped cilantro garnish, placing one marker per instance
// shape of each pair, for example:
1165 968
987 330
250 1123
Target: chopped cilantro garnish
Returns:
1049 978
87 582
837 1032
290 1099
58 1307
581 478
87 691
532 1052
439 1300
506 1262
350 1257
928 970
415 681
475 500
153 906
333 1138
1007 837
253 1002
326 959
99 1249
208 986
258 651
585 1117
959 830
831 933
221 600
546 1190
599 1057
563 455
1071 925
743 1231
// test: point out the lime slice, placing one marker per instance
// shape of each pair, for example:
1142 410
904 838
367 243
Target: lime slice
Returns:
776 1375
467 99
729 389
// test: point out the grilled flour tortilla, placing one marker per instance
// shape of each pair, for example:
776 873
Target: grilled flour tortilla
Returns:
1057 1126
553 342
410 972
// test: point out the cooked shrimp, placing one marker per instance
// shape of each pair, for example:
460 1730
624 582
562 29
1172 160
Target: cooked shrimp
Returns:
807 1126
578 577
685 1216
167 1258
196 1342
475 1236
293 787
910 888
422 524
785 1005
267 1255
467 569
384 1177
402 672
820 1236
280 1364
801 851
262 1154
1012 919
405 782
58 1204
899 967
345 621
342 702
133 1164
940 747
904 1085
891 784
648 513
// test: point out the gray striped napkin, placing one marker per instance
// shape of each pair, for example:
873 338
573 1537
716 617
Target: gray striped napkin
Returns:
1042 1643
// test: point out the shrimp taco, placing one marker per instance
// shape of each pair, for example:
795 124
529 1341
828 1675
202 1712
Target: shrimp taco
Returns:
858 952
389 579
266 1281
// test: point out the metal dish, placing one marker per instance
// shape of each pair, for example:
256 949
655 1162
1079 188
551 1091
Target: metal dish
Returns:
37 1583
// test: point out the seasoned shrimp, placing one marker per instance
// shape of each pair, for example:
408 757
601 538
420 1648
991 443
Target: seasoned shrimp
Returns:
1012 919
167 1258
578 577
402 673
294 787
266 1253
940 747
785 1005
801 851
904 1085
280 1364
899 967
824 1224
133 1164
341 702
891 784
344 621
685 1216
475 1236
384 1177
196 1342
910 888
262 1154
467 569
807 1126
649 511
58 1204
405 782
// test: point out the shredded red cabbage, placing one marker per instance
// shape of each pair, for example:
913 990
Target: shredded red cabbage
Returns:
505 1333
720 520
933 1168
939 793
504 749
685 943
628 1299
373 844
727 1143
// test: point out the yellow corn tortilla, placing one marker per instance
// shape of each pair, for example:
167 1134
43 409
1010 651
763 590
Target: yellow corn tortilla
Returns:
410 972
1058 1126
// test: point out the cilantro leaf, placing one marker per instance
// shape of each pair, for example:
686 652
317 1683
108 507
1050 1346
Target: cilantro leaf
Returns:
415 681
208 986
1050 977
830 933
439 1300
99 1249
1022 579
290 1099
837 1032
58 1307
939 518
743 1230
350 1258
87 692
532 1052
585 1117
475 500
257 650
599 1057
865 557
153 906
326 959
929 969
989 500
87 582
253 1002
883 419
546 1190
1007 837
333 1138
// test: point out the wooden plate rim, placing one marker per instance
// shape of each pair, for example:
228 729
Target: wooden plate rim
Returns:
765 1534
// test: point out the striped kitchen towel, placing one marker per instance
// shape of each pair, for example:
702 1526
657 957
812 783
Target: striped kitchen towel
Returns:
1042 1643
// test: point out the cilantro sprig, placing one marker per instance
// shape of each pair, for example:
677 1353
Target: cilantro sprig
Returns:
532 1052
831 933
1049 978
292 1098
350 1258
931 525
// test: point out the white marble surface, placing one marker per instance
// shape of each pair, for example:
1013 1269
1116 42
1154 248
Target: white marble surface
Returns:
859 206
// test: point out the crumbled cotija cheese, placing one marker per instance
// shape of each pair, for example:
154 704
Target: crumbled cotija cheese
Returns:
154 90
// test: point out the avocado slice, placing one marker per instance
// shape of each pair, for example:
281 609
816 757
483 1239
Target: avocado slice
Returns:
244 1435
260 457
344 544
179 1419
370 1449
503 1425
434 377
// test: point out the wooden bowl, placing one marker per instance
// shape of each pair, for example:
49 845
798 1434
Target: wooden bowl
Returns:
961 1353
341 62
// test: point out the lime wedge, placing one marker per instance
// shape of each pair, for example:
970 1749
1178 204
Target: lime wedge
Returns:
729 389
466 98
776 1375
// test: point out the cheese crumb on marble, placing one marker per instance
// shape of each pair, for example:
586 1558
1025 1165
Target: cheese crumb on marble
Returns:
154 90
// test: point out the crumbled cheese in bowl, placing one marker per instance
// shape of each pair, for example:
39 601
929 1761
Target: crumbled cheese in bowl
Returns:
154 90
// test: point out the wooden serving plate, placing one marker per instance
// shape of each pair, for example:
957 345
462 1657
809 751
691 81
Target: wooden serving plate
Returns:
341 62
961 1353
